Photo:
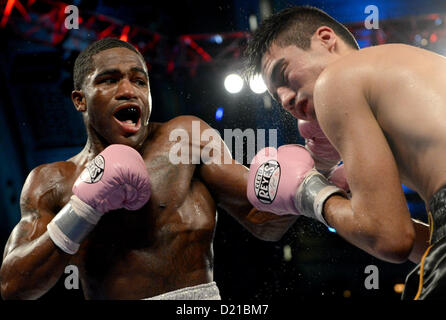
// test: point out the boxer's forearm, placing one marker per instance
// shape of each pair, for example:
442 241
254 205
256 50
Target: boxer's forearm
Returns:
365 232
32 269
268 226
228 184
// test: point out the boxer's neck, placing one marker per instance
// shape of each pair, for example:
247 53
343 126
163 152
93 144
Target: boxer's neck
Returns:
92 148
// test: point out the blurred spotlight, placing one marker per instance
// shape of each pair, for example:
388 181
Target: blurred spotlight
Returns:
125 33
233 83
257 85
219 114
217 39
253 22
332 229
287 255
433 37
418 38
398 287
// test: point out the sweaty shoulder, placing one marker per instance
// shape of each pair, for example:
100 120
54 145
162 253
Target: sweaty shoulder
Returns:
186 122
348 73
371 64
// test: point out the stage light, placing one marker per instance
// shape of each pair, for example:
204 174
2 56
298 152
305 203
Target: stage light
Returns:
257 85
219 114
233 83
433 38
287 254
217 39
418 38
332 229
253 25
398 287
8 8
125 33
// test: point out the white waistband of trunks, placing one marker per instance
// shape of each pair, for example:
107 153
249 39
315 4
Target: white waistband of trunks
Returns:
206 291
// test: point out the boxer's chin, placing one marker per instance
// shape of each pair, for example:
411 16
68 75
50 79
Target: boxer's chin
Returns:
133 141
128 136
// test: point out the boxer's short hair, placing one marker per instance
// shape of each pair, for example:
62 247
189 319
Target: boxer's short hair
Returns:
292 26
84 61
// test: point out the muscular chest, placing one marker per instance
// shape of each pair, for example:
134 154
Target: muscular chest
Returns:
170 183
179 203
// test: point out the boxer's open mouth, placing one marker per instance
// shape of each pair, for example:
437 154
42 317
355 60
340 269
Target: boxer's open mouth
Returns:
129 117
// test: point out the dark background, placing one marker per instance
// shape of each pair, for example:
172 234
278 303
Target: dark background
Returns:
188 63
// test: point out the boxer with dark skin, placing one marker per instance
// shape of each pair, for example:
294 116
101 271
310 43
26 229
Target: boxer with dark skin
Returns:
165 245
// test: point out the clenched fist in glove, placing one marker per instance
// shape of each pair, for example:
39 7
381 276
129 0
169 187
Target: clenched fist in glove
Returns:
116 178
284 181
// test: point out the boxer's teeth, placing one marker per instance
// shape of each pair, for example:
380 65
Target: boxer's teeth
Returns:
128 115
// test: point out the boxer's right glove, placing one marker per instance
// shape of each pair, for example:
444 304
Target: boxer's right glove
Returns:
317 143
116 178
284 181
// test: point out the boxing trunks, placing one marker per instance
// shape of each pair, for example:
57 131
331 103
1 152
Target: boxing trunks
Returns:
206 291
428 280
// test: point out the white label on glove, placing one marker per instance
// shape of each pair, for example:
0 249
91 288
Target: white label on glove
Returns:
94 170
267 181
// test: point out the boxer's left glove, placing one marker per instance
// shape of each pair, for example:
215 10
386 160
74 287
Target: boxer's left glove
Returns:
284 181
116 178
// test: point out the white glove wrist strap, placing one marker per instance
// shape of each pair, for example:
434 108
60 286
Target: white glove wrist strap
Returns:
72 224
312 194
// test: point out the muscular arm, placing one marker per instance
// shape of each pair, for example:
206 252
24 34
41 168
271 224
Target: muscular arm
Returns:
227 181
376 219
32 264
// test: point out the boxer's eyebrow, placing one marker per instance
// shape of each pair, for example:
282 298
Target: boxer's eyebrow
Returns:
141 70
108 72
115 71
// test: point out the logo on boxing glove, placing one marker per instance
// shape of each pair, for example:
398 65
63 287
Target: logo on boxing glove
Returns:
267 181
94 170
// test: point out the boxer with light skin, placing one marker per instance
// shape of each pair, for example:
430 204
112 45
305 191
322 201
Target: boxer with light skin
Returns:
135 225
383 109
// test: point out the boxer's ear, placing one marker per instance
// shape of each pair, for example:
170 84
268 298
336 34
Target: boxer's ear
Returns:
326 36
78 98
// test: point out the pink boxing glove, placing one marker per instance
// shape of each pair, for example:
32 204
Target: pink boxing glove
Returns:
317 143
275 175
285 182
116 178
